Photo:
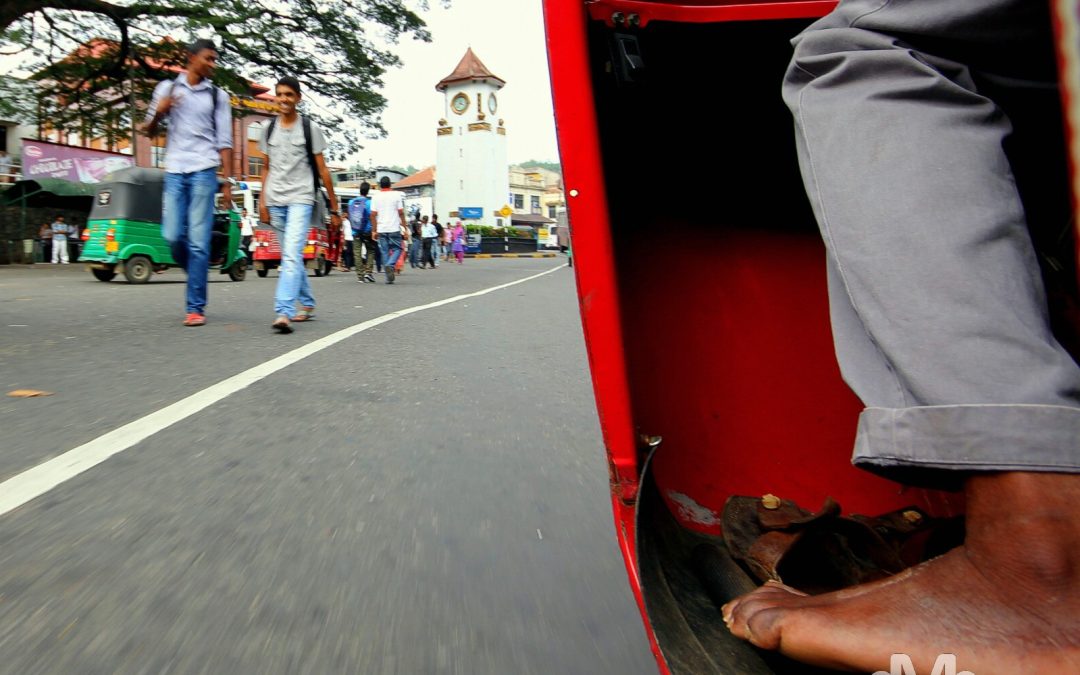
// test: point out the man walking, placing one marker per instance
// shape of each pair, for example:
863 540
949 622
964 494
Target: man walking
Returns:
199 140
290 195
388 223
60 231
436 248
360 217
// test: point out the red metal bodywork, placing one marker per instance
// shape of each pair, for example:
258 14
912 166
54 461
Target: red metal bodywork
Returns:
728 354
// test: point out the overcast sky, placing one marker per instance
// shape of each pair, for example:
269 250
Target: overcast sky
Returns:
508 36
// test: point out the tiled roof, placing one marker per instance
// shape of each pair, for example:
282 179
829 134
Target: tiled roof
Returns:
470 68
422 177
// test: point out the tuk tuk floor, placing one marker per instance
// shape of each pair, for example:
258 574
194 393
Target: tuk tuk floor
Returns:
426 496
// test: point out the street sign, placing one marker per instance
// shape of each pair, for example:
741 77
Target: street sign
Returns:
470 212
506 212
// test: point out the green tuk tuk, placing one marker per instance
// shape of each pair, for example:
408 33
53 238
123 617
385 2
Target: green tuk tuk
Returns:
123 233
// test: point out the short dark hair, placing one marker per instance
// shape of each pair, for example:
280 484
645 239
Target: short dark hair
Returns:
290 82
201 44
365 188
384 182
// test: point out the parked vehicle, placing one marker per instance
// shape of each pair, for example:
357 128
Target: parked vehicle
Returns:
321 252
123 232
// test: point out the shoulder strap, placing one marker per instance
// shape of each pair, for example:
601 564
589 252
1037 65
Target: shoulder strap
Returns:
213 108
311 159
270 130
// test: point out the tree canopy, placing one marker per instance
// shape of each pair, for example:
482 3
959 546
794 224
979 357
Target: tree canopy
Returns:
89 55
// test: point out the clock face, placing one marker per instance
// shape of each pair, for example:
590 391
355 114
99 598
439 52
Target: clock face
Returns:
492 103
460 103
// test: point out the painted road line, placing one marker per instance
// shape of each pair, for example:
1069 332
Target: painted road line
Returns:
34 482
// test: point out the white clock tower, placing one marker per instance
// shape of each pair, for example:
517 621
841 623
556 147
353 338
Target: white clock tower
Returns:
470 163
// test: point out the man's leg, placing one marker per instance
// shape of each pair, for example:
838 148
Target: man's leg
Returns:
175 203
358 255
55 254
200 229
941 327
292 225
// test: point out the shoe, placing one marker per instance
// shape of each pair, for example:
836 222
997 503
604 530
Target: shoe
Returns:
195 319
368 278
305 314
361 281
281 324
390 275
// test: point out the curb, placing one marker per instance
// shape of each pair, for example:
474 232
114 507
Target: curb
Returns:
510 255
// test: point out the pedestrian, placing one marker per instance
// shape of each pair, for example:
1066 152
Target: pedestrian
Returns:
363 244
346 260
5 168
416 241
429 233
909 119
388 223
45 237
292 199
436 249
199 142
60 232
448 240
457 236
247 233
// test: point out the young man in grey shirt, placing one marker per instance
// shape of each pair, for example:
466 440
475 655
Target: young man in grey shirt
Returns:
288 198
200 139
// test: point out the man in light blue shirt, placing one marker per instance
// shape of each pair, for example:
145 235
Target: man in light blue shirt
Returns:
199 139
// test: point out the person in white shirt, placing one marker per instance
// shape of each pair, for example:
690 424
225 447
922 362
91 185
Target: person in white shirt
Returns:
388 224
427 254
346 260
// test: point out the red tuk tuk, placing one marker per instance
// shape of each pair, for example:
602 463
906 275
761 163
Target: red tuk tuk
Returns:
321 252
695 358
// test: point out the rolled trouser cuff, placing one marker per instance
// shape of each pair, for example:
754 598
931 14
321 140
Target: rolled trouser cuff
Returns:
902 443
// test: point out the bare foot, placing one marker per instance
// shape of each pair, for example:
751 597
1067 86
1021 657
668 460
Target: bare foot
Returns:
1007 601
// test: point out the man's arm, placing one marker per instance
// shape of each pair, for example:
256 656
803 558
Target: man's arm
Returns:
401 215
225 140
374 225
226 168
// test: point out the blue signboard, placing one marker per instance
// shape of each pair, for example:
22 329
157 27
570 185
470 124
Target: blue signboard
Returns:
470 212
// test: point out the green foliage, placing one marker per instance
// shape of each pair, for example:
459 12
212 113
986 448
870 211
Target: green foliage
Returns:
550 166
489 231
93 56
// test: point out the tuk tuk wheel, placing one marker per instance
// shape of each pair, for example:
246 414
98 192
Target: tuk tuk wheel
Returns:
327 266
138 269
320 266
238 270
104 275
262 272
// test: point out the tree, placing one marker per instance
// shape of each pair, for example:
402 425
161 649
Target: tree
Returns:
550 166
91 54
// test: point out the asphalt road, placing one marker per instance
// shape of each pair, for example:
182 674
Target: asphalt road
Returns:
426 496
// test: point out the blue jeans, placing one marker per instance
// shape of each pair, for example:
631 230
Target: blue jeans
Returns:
292 222
390 248
187 222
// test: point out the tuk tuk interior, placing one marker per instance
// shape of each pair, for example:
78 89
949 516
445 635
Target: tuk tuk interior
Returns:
702 281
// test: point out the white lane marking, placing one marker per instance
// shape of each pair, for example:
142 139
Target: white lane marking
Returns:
32 483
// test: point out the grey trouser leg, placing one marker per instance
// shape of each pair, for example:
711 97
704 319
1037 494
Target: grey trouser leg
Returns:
938 306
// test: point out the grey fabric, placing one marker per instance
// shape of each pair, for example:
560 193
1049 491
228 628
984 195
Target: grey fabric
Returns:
289 179
938 305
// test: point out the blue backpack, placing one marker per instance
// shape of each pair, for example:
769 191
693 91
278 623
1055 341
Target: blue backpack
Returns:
360 215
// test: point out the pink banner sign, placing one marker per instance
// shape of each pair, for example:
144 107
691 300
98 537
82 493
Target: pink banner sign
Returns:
52 160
